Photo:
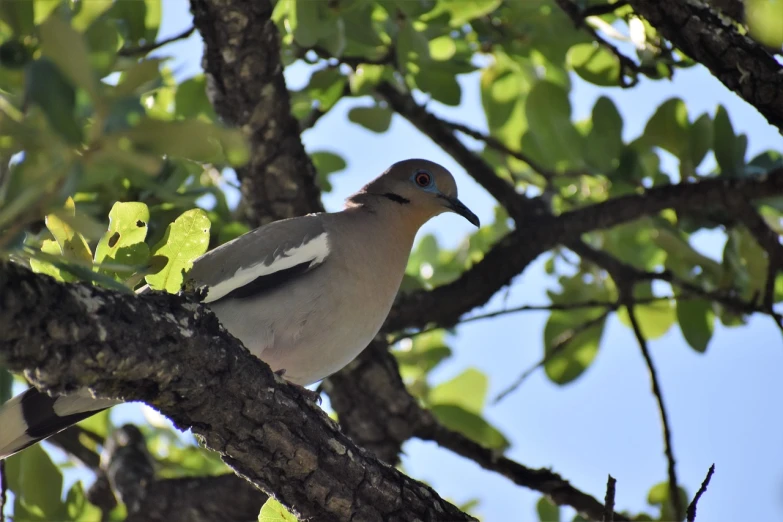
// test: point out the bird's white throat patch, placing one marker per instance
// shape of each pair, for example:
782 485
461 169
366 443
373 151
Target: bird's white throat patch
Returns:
313 251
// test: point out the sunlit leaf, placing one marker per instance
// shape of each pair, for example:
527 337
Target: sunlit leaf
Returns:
595 64
185 240
471 425
274 511
468 390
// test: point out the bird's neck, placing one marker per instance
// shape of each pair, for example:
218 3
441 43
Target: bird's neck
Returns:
395 212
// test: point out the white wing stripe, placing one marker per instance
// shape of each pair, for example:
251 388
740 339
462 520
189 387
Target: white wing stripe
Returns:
314 251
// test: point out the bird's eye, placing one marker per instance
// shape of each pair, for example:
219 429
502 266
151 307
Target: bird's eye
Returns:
423 178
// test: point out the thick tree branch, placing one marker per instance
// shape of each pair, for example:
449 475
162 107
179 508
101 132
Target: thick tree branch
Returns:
247 89
173 354
740 63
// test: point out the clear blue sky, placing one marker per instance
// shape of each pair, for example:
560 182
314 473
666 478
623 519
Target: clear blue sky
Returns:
724 405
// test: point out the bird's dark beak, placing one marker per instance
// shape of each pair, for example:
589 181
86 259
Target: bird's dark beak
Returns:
459 207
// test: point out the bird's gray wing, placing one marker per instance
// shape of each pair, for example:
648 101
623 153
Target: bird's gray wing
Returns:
261 259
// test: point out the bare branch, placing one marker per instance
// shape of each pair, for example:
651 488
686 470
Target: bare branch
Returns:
674 491
611 482
499 146
145 49
542 480
561 343
691 516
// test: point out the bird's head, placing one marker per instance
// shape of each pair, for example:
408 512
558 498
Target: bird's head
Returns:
422 187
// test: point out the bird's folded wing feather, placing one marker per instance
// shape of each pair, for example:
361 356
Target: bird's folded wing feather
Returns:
261 259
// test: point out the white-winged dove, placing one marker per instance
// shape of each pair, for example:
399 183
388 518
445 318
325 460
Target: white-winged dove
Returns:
306 295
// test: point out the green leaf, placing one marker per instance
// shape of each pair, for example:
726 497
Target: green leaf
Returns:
18 14
46 87
326 87
765 21
192 139
576 345
152 19
729 148
365 78
412 49
471 425
139 75
547 511
68 50
326 163
185 240
604 141
44 8
37 483
88 12
463 11
697 321
441 83
655 319
442 48
669 128
551 137
123 243
595 64
659 496
77 506
503 85
376 119
468 390
72 243
191 99
700 139
747 263
274 511
40 266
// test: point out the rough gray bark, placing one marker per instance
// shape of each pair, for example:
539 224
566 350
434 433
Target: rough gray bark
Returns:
173 354
247 88
740 63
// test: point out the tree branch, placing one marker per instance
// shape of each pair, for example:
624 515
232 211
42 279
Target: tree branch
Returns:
691 513
511 255
177 358
674 490
740 63
145 49
247 88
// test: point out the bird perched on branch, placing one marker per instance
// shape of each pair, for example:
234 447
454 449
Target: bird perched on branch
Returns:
306 295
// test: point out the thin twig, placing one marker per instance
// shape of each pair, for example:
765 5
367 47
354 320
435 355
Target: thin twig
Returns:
499 146
609 499
692 506
658 392
561 343
148 48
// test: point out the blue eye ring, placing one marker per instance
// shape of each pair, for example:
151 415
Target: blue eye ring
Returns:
422 178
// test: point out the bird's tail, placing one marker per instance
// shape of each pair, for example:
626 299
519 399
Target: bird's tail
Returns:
32 416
